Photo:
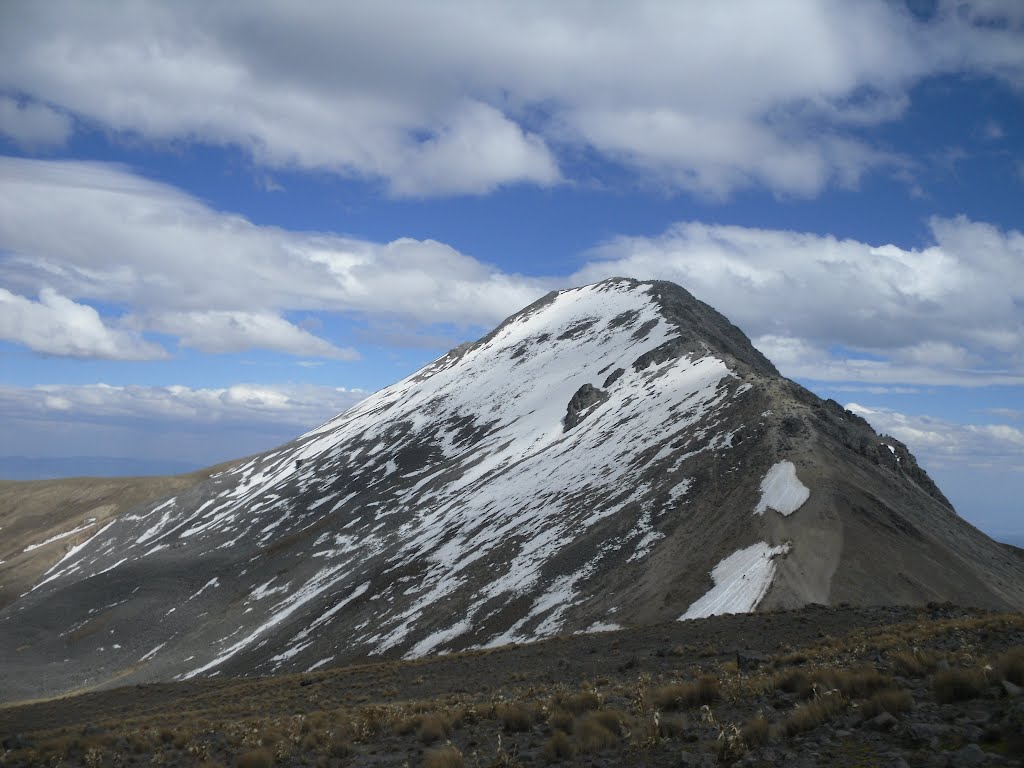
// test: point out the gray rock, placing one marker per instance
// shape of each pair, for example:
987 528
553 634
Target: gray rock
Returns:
696 760
748 660
883 722
1012 690
972 754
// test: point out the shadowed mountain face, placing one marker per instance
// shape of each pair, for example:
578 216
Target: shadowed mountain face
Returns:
611 455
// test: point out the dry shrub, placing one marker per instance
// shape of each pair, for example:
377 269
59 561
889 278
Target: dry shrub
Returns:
577 703
756 731
339 746
561 720
592 735
684 695
790 659
957 685
809 716
445 757
891 700
1010 665
517 717
852 683
672 726
433 727
610 718
270 735
256 758
794 681
558 748
917 663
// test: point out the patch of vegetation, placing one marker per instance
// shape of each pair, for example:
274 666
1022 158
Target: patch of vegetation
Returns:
891 700
445 757
952 685
705 690
807 717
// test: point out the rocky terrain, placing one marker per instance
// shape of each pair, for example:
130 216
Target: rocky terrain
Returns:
613 455
890 686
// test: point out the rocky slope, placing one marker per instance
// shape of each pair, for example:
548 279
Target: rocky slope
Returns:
612 455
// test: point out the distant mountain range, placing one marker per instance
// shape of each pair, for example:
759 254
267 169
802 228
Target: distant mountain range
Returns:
613 455
25 468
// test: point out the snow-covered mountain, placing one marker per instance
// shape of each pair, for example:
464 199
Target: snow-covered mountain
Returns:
611 455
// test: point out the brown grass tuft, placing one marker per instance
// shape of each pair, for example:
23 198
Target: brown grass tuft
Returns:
577 703
684 695
433 727
517 717
561 720
592 735
794 681
558 748
957 685
916 663
444 757
1010 665
852 683
756 731
891 700
809 716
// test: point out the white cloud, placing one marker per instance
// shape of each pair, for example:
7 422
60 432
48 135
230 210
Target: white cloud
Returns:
843 310
821 308
226 331
98 233
56 325
462 97
33 126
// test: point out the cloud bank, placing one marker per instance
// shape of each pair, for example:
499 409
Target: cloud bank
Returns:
86 235
464 97
87 232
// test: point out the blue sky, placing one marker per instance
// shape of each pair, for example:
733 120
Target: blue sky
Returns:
222 224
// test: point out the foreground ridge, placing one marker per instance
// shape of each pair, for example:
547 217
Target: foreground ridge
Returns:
818 686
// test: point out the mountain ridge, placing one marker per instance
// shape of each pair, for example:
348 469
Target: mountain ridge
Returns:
610 455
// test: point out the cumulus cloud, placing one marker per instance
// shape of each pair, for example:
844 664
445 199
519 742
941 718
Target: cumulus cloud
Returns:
98 233
822 308
844 310
463 97
56 325
32 125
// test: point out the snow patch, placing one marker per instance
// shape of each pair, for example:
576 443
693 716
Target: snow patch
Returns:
741 581
85 526
782 490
